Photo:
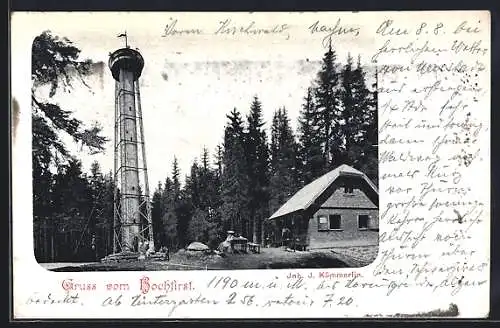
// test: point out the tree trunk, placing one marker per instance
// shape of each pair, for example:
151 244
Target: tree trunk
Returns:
255 229
45 242
262 232
52 246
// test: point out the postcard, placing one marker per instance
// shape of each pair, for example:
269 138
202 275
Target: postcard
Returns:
250 165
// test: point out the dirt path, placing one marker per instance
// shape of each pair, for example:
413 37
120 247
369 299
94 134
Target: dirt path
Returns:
52 266
269 258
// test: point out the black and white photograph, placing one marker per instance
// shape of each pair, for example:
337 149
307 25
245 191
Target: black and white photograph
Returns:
197 165
148 158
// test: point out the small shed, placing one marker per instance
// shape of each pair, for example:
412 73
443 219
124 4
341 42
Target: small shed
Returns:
338 209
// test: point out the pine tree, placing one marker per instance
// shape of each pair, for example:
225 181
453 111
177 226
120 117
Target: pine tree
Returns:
185 210
71 191
205 181
219 160
351 115
197 189
217 174
192 186
284 181
176 182
169 217
183 201
210 199
108 213
257 157
327 104
157 210
56 63
310 151
72 207
216 227
358 115
193 200
234 175
368 124
100 220
98 188
198 226
171 199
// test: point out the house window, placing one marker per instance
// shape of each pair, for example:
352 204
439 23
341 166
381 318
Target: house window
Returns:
335 222
363 222
322 223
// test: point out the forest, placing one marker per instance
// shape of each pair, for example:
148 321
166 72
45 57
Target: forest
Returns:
235 186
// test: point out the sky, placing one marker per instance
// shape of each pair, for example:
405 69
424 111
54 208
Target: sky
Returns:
190 83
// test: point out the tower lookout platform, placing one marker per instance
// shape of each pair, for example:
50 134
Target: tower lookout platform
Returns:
128 60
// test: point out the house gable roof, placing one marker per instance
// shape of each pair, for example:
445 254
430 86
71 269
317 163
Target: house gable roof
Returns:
306 196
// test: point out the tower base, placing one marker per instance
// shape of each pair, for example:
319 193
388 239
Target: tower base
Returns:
121 257
135 256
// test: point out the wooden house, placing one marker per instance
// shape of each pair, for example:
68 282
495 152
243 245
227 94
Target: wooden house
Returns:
338 209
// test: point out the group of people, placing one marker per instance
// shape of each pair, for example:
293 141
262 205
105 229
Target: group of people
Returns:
233 239
146 249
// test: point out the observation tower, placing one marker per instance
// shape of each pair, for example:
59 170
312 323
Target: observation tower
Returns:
132 208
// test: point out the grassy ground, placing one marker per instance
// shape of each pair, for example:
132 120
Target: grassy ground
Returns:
269 258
